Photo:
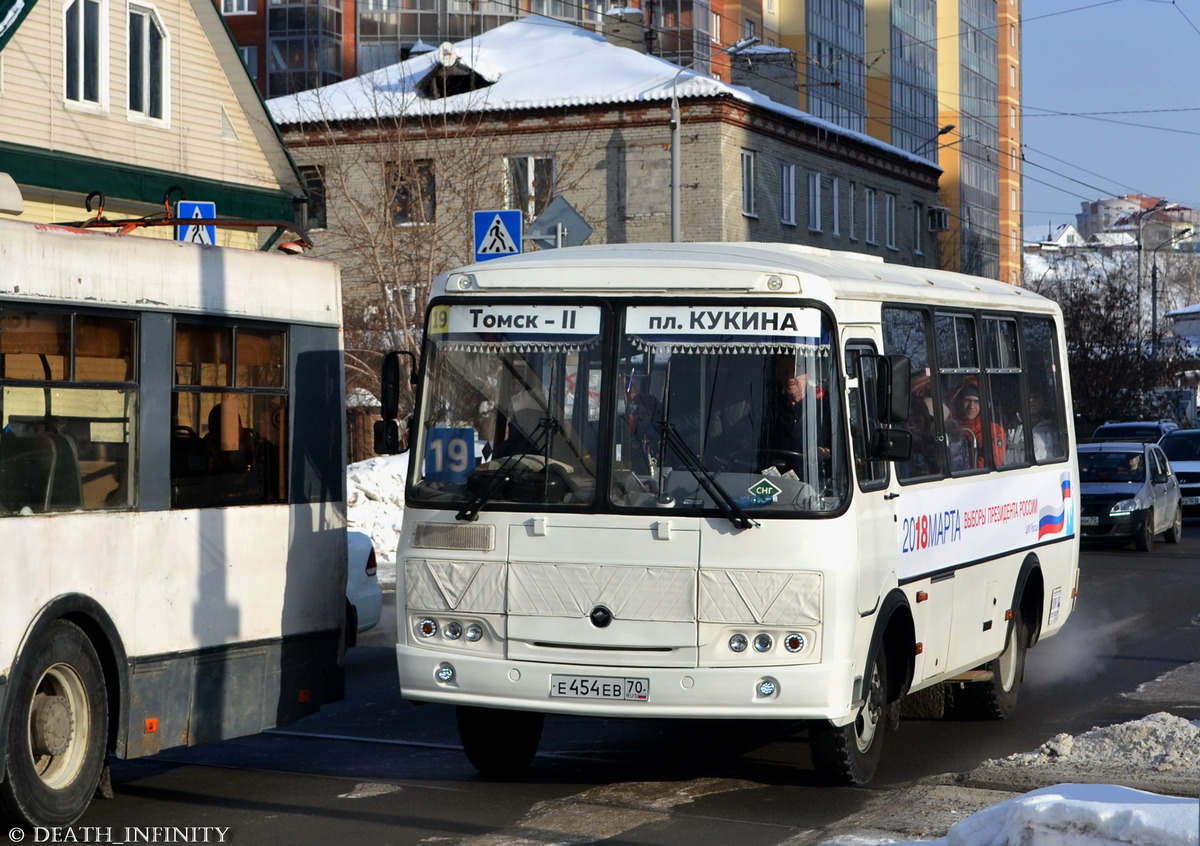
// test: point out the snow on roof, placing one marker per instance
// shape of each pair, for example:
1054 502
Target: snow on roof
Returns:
1112 239
533 63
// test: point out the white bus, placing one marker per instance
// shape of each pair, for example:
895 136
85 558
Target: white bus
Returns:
172 476
729 481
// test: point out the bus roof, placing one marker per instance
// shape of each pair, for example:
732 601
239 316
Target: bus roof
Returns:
48 264
731 268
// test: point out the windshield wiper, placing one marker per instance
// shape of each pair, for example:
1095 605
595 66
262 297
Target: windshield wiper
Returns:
540 439
728 505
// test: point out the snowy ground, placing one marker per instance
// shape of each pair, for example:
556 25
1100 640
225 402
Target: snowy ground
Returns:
1132 784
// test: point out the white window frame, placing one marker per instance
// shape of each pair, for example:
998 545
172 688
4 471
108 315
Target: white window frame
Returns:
835 207
512 197
150 19
98 65
852 210
787 194
889 220
748 208
918 219
229 8
814 200
870 224
714 27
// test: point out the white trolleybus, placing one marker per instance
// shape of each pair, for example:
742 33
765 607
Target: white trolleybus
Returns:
171 502
729 481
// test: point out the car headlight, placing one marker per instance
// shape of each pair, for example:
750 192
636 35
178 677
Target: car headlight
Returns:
1125 506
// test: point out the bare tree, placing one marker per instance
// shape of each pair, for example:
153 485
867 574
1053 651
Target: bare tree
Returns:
400 187
1113 362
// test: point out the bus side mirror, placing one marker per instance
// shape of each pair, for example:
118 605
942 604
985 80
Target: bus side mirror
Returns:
389 381
891 445
390 439
893 386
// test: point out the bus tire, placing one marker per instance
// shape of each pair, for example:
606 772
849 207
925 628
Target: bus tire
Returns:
499 742
850 754
997 699
57 732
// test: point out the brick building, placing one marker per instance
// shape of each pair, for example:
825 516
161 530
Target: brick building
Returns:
521 114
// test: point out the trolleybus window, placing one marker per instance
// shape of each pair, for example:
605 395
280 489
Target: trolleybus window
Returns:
229 435
69 399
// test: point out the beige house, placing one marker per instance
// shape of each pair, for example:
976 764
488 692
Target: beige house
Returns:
539 109
127 100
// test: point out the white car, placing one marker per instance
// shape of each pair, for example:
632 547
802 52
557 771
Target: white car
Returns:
364 598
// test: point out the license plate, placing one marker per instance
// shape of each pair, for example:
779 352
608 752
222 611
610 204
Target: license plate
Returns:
1090 521
1191 500
599 687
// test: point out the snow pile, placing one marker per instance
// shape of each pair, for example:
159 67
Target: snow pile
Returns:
1159 743
1082 815
375 505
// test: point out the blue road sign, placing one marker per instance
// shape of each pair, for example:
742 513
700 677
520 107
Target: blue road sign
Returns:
197 234
497 233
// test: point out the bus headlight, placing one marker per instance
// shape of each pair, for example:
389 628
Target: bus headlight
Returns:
444 673
763 642
738 642
453 630
767 688
794 642
427 627
474 633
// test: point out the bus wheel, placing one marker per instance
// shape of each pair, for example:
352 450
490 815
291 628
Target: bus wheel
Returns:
997 699
849 754
499 742
56 741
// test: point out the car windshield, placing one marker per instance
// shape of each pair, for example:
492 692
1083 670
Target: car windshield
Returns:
1181 447
1112 466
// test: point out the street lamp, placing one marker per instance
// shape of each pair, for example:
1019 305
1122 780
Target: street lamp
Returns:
1142 218
947 128
1183 233
732 49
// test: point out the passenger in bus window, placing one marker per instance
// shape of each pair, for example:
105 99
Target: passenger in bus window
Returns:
1046 441
967 408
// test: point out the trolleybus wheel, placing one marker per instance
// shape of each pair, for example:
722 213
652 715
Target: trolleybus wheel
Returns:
56 740
497 741
849 754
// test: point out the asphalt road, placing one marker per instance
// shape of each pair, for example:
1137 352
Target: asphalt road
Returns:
376 770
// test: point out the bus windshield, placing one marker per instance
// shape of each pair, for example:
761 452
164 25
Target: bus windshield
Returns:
513 405
739 397
716 406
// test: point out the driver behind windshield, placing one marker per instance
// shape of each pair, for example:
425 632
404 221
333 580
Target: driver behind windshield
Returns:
801 422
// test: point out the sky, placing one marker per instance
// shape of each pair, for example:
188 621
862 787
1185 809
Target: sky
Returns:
1110 103
1064 815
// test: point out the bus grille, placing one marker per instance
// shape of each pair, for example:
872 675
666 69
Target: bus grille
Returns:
454 536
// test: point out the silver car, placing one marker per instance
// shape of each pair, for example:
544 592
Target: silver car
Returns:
364 597
1128 493
1182 448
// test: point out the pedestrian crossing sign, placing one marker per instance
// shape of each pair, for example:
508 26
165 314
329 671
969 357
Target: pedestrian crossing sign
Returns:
195 233
497 233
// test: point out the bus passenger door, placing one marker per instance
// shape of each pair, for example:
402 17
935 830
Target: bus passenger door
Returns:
875 503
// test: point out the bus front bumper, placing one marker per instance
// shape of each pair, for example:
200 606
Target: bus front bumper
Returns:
809 691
